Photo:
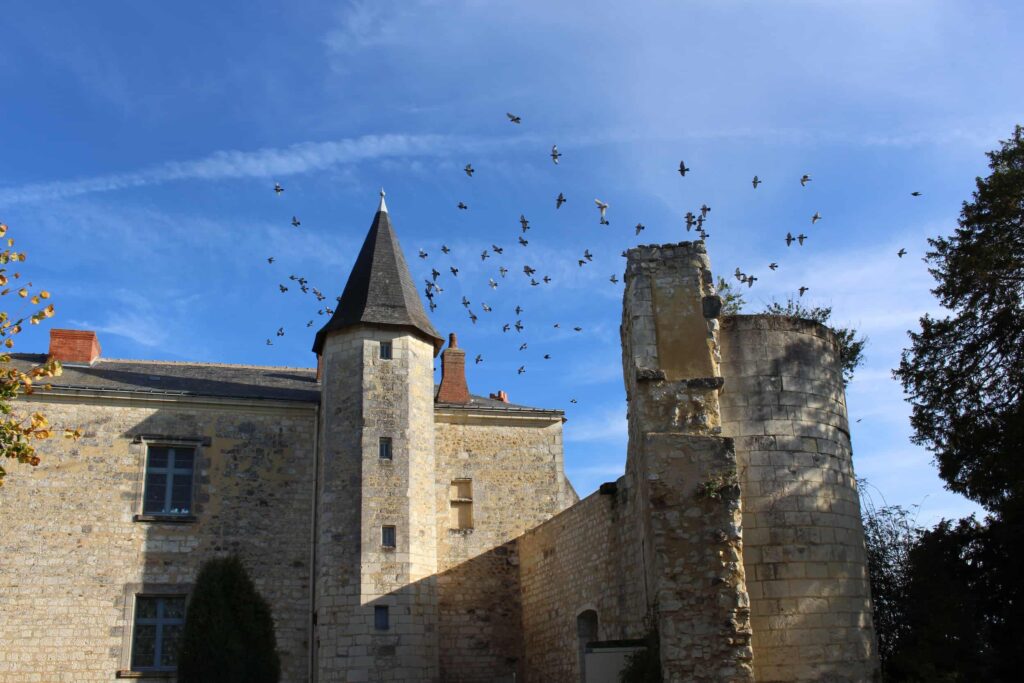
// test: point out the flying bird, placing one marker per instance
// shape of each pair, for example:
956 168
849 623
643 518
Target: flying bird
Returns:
487 309
522 369
522 241
445 249
270 259
582 262
296 222
751 280
547 356
519 310
602 207
800 238
689 220
519 326
462 205
704 209
901 253
555 154
434 273
283 288
528 270
309 324
502 270
479 359
614 280
484 255
559 200
465 302
524 223
278 189
683 169
815 218
455 271
572 400
639 228
789 239
269 343
803 289
492 283
280 332
514 119
915 194
506 327
496 249
469 170
522 347
533 283
756 181
804 179
578 329
587 255
423 254
773 265
472 317
546 279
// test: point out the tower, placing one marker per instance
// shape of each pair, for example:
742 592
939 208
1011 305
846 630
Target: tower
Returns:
375 535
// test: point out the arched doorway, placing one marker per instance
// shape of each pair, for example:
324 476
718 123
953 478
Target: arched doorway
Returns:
586 631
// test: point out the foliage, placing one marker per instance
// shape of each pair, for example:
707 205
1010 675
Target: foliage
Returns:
851 348
732 299
229 632
718 485
890 533
964 373
644 665
19 434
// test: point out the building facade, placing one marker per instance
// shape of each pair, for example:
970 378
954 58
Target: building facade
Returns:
403 531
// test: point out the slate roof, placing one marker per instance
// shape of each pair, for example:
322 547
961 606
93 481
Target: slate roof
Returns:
213 380
380 290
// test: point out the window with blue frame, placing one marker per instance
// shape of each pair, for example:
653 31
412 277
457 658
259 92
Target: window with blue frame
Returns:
159 620
381 618
169 474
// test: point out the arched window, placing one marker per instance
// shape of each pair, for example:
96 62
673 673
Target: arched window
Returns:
586 631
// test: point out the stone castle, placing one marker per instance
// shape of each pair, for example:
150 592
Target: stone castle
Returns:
403 531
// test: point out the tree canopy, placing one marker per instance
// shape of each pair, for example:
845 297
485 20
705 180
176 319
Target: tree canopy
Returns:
964 372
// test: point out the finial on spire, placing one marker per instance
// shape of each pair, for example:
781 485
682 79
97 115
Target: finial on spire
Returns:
383 207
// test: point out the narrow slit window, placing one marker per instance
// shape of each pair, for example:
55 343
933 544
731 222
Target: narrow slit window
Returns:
385 350
168 489
381 618
460 514
387 536
384 448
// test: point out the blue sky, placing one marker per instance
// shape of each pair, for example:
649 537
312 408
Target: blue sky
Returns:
141 141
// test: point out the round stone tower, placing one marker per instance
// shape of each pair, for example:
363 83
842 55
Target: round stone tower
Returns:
806 566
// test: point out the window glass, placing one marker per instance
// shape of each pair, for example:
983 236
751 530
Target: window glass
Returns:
381 618
385 448
157 632
168 488
387 536
385 350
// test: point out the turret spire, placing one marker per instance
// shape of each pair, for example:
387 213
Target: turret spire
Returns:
383 208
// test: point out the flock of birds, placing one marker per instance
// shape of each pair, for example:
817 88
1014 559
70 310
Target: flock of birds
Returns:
433 289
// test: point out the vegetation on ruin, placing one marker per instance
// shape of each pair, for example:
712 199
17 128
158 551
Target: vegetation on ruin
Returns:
719 485
19 434
732 298
947 599
229 632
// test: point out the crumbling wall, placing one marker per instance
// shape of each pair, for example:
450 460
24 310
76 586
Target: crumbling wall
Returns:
785 405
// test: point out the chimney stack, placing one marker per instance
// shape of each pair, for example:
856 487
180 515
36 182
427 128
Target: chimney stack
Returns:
74 346
453 374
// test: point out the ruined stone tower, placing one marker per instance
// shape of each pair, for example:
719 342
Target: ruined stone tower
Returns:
375 527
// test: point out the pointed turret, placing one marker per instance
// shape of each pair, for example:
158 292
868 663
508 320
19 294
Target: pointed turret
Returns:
380 290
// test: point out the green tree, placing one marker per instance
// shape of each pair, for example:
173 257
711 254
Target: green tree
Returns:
732 299
229 632
851 347
964 372
20 432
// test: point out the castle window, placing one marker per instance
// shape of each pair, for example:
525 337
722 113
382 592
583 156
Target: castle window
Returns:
168 489
384 449
385 350
158 624
381 618
388 536
460 514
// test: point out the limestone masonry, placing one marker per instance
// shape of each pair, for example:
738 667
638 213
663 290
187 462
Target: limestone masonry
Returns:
403 531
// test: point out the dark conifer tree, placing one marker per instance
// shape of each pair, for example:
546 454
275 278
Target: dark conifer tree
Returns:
229 632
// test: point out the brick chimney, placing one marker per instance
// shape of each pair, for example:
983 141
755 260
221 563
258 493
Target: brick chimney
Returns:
74 346
453 374
500 396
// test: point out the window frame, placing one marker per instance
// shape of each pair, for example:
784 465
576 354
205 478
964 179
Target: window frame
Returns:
387 350
160 623
379 610
383 536
170 471
386 443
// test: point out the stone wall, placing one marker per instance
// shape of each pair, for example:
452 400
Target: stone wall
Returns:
784 403
512 461
586 558
72 556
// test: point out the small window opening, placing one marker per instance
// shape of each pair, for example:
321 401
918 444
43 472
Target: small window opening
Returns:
381 618
387 536
385 350
384 449
460 515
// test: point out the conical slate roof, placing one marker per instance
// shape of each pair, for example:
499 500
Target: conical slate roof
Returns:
380 289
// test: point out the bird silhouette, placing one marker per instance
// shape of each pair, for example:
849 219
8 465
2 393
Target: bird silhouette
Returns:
528 270
423 254
506 327
533 283
683 169
296 222
815 218
485 307
789 239
546 279
547 356
578 329
804 179
614 280
514 119
639 228
502 270
524 223
582 262
751 280
283 288
434 273
269 343
270 259
455 271
902 252
519 326
521 370
557 325
587 255
472 317
309 324
484 255
497 250
773 265
479 359
492 283
280 332
469 170
278 189
462 205
522 347
519 310
800 238
756 181
603 208
559 200
465 302
803 289
522 241
445 249
572 400
704 210
555 154
915 194
689 220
